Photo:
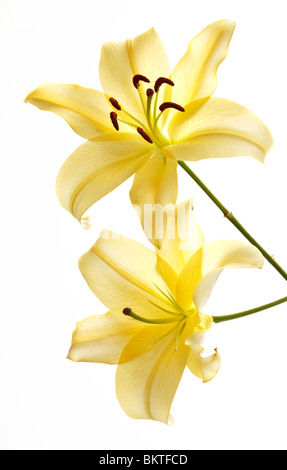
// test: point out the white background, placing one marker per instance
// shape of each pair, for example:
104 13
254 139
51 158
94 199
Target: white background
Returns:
48 402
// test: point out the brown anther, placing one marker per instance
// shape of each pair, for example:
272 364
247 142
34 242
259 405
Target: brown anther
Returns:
160 81
115 104
169 104
139 78
114 119
144 135
127 311
149 92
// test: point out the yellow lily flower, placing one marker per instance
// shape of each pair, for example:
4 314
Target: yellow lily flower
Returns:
148 118
154 327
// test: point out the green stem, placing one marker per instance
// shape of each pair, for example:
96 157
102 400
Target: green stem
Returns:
222 318
233 220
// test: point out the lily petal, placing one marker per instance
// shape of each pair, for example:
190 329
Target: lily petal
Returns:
219 255
188 280
205 368
102 338
122 273
153 193
146 385
182 238
97 167
195 74
200 274
87 111
198 334
219 128
144 55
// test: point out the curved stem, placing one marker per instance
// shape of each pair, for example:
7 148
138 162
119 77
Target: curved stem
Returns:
222 318
233 220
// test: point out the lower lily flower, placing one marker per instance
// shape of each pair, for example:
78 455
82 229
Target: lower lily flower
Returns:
155 325
148 118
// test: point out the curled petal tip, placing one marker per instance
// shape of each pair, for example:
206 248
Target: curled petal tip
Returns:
171 421
228 23
85 223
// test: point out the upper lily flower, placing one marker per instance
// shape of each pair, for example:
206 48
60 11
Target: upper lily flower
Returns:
148 118
162 296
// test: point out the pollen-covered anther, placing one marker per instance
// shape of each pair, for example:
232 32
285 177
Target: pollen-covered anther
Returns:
144 135
139 78
169 104
160 82
115 104
114 119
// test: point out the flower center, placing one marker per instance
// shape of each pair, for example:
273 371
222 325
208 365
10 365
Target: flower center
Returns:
179 321
149 101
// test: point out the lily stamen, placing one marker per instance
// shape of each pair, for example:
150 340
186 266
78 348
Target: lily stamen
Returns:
163 107
115 104
160 81
144 135
149 94
169 104
161 308
139 78
163 337
157 137
169 297
114 119
128 123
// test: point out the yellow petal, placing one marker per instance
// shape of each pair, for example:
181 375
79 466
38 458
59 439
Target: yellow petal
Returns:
122 273
205 368
205 324
218 129
200 274
188 280
153 193
146 385
214 146
168 274
145 55
87 111
195 74
199 329
182 238
102 338
219 255
97 167
147 338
